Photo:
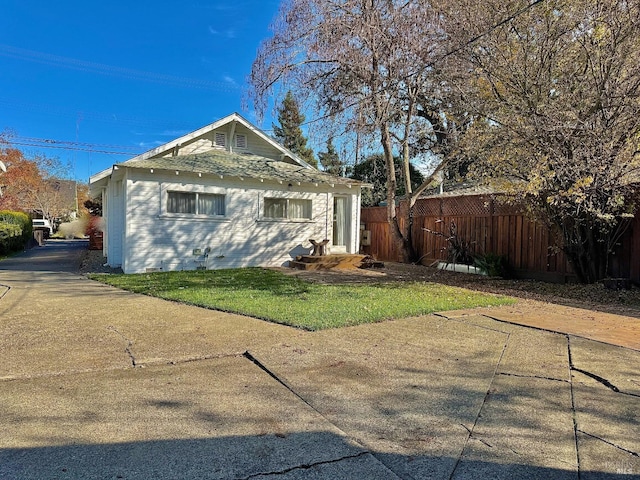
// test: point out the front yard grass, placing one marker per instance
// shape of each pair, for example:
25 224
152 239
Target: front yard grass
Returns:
280 298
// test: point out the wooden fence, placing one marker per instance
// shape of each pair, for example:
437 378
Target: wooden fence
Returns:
489 226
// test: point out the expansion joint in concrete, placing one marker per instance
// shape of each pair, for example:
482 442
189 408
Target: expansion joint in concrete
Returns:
305 466
574 415
482 405
505 374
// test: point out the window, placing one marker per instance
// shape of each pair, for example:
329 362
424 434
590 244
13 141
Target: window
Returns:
196 203
210 204
287 208
220 140
241 141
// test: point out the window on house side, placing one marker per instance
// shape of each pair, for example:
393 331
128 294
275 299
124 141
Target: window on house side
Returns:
196 203
210 204
220 140
241 141
287 208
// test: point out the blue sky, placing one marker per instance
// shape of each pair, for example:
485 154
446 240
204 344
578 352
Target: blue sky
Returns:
122 76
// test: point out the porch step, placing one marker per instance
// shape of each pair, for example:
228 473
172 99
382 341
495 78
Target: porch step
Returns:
327 262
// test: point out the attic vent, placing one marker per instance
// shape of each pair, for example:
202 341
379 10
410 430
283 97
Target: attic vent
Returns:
220 140
241 141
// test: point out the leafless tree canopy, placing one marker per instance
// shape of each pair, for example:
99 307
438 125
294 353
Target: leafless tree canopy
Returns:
367 64
541 96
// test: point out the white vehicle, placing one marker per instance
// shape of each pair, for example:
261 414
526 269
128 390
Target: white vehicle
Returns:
43 224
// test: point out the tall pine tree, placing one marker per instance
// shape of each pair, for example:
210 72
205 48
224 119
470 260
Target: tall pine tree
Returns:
330 161
289 132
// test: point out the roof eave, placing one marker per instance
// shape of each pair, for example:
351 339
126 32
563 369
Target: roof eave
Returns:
332 184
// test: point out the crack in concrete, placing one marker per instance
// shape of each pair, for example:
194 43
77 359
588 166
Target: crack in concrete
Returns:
138 364
194 359
265 369
574 414
472 436
533 376
6 290
604 382
305 466
597 378
129 345
630 452
484 401
465 319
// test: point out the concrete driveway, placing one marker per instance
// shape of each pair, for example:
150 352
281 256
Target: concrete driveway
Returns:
96 383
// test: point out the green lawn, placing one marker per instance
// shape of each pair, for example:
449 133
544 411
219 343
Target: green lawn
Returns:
273 296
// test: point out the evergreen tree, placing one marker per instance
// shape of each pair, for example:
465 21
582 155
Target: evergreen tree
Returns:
330 160
289 133
372 170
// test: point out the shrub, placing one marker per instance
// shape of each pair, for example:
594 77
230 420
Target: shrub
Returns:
492 264
15 231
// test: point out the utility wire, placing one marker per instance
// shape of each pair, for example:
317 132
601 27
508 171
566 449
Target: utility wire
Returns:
104 69
93 67
72 148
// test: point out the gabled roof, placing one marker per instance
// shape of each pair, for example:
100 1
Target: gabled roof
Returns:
167 147
241 166
234 117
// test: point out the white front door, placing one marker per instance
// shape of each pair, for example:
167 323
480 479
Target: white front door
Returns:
340 224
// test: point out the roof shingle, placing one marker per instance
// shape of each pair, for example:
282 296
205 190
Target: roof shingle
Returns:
240 166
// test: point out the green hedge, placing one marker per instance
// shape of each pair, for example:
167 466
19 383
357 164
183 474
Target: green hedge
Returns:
15 231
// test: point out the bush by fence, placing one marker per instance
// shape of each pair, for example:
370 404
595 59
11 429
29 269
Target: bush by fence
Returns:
15 231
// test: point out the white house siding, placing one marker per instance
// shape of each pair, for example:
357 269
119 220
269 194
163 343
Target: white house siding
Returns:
205 143
256 145
157 240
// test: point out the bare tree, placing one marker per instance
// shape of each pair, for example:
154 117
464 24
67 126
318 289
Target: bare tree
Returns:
557 89
365 64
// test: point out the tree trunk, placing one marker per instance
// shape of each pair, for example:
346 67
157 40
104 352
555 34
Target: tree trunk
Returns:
401 240
586 252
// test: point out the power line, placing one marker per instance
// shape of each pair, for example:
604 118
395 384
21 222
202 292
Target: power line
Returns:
47 141
74 146
104 69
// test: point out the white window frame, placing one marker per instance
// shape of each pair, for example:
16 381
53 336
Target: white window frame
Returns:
197 203
287 209
168 188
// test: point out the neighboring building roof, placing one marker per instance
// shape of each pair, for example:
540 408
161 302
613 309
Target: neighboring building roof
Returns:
226 164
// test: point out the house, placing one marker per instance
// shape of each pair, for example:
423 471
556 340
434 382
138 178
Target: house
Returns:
224 196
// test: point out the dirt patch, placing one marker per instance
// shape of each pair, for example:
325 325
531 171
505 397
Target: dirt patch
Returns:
92 261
